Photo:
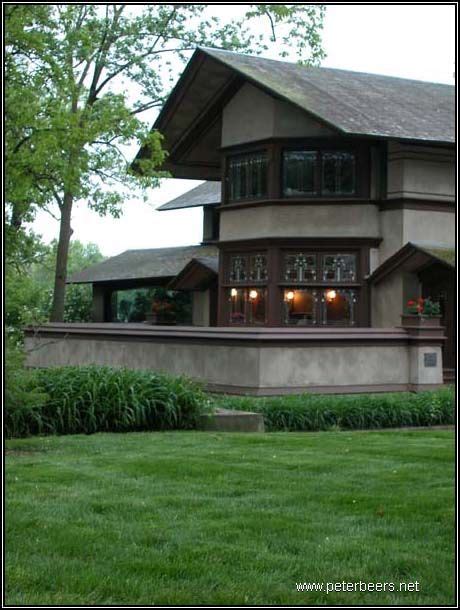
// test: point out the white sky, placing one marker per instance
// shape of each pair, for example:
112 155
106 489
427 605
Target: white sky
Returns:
410 41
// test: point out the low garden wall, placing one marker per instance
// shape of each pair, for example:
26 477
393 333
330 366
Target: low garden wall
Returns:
261 361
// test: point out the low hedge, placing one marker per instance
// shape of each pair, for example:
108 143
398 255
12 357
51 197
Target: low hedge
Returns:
310 412
91 399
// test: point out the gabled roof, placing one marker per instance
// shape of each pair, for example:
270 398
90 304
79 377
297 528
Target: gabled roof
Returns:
157 263
197 274
208 193
414 257
351 103
355 103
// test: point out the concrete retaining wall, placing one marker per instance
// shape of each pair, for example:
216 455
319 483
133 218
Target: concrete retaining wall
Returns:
253 361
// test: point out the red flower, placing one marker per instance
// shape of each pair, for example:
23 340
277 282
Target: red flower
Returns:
410 303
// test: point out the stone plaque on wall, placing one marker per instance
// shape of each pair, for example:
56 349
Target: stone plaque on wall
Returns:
430 359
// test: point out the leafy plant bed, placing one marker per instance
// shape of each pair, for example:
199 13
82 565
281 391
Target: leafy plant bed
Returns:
312 412
95 399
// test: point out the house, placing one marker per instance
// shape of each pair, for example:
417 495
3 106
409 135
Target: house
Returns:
328 202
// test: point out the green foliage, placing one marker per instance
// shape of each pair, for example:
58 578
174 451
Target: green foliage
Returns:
24 398
102 399
78 76
309 412
30 287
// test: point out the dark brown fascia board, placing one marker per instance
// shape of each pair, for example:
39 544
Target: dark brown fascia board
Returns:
128 282
287 201
313 242
431 205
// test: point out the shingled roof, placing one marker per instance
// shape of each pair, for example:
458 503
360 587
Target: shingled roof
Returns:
355 103
208 193
146 264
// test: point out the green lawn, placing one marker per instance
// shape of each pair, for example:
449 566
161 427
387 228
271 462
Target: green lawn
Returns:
203 518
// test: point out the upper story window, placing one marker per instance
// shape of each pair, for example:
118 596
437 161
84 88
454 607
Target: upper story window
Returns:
247 175
248 267
325 173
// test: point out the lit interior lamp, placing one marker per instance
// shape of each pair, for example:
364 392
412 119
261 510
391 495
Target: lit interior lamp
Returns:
253 294
290 295
234 292
330 295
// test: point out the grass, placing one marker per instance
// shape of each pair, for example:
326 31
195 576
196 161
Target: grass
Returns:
202 518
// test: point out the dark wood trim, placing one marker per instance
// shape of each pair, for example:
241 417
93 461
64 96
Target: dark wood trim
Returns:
291 201
322 243
275 147
429 205
316 389
273 249
241 336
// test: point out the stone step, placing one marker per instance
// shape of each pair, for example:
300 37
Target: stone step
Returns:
227 420
449 376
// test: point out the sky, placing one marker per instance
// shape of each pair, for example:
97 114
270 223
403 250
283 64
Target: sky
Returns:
410 41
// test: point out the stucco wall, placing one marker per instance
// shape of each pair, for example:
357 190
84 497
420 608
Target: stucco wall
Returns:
389 297
316 360
201 308
420 172
429 227
342 220
254 115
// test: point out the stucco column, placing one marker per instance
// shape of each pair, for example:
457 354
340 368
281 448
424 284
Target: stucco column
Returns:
426 338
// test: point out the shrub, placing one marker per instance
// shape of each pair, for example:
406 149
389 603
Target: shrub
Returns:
310 412
102 399
24 399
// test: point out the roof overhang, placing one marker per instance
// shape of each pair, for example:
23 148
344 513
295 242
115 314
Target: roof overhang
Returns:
413 258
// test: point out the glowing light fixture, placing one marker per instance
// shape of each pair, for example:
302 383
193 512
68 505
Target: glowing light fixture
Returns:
330 295
253 294
234 292
290 295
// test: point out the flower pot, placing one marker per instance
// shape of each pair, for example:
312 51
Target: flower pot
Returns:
411 319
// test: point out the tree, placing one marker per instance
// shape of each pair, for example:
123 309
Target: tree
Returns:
79 76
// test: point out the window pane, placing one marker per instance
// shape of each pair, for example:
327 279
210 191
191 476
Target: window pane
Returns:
258 267
299 168
237 306
338 173
257 306
299 307
299 267
247 306
339 267
248 176
238 272
338 307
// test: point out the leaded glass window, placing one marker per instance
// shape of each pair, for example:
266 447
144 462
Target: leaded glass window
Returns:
247 306
299 173
338 307
258 271
300 306
238 268
339 268
338 173
248 267
299 267
247 176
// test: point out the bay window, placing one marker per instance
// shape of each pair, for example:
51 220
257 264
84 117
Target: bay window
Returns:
247 176
308 173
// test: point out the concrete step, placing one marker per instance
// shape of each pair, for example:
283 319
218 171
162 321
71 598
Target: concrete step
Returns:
449 376
226 420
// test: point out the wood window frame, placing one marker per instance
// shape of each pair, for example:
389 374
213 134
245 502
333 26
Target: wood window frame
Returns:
274 250
274 148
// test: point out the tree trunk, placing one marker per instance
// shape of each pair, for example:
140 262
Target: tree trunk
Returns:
65 232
